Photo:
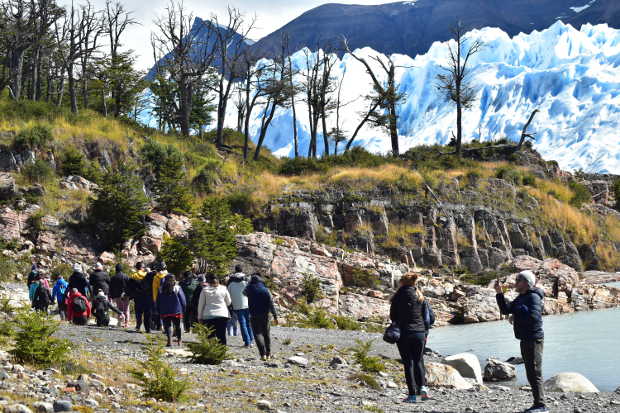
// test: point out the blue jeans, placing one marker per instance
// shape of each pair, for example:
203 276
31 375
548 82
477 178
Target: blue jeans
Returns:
244 324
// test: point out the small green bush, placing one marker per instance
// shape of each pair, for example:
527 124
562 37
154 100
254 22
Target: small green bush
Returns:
369 364
37 172
347 323
359 277
365 379
9 267
208 350
529 179
510 174
311 288
177 255
34 341
156 377
35 138
72 162
581 194
300 166
209 177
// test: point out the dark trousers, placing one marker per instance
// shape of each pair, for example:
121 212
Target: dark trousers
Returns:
411 349
80 321
143 310
187 319
103 319
260 329
169 322
218 325
532 353
155 319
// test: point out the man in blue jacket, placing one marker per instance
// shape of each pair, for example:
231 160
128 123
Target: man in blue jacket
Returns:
527 311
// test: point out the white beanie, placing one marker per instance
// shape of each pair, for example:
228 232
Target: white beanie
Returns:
77 267
99 266
528 276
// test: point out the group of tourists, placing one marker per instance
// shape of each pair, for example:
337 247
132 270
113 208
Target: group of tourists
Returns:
412 317
161 301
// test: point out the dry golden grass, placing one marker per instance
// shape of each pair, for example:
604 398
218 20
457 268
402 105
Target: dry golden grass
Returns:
559 190
387 174
609 256
612 225
582 228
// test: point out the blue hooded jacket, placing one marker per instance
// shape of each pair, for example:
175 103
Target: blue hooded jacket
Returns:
259 298
527 310
171 304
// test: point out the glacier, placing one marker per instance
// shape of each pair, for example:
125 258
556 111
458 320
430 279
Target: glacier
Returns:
572 76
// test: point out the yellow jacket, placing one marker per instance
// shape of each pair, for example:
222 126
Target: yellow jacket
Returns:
138 275
156 282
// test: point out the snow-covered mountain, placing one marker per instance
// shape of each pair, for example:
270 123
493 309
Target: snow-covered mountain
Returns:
572 76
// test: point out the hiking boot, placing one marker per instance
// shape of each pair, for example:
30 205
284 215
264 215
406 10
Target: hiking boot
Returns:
424 394
410 399
263 358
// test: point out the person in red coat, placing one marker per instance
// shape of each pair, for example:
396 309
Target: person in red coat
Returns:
78 307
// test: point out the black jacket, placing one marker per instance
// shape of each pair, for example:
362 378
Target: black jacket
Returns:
100 280
193 305
527 310
407 311
101 306
118 285
42 298
259 299
79 281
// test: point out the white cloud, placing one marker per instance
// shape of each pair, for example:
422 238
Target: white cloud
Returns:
270 14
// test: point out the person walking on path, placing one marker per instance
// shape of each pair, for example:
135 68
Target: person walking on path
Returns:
527 311
260 305
118 293
99 280
78 307
171 305
213 307
58 294
78 281
407 311
101 308
188 284
155 277
236 286
32 275
42 297
195 299
140 290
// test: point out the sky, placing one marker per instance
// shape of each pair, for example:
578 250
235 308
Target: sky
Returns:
270 15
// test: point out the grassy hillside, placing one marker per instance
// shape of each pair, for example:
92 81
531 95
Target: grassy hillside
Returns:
89 144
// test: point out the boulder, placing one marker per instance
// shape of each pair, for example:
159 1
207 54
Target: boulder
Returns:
497 370
570 382
298 361
442 375
467 364
17 408
8 189
77 183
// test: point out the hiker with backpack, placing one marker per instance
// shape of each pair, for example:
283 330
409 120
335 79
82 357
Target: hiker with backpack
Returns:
139 287
213 307
101 307
171 305
78 307
99 280
236 286
58 294
156 276
78 281
260 305
119 293
195 300
407 312
41 296
527 311
188 284
34 272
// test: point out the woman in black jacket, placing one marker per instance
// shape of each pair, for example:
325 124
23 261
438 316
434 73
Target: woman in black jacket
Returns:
407 311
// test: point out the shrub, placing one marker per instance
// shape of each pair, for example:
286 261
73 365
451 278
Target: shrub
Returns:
347 323
120 207
510 174
369 364
34 341
581 194
157 378
311 288
72 162
529 179
616 191
37 172
301 166
241 203
319 318
362 278
177 255
208 178
37 137
365 379
208 350
11 266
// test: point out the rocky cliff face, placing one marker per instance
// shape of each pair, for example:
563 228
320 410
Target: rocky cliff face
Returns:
425 232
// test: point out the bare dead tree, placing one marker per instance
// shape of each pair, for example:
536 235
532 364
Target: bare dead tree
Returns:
327 87
46 12
294 89
184 53
253 92
116 20
455 83
386 97
311 85
230 48
90 28
524 134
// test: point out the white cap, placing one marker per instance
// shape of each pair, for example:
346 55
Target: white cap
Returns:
528 276
77 267
99 266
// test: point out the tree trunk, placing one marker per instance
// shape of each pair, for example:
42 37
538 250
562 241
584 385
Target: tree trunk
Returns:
325 134
72 91
16 69
36 68
459 132
393 130
295 138
263 130
184 107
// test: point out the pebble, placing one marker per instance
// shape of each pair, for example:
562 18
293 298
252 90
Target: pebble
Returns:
63 406
298 361
43 407
17 408
264 405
